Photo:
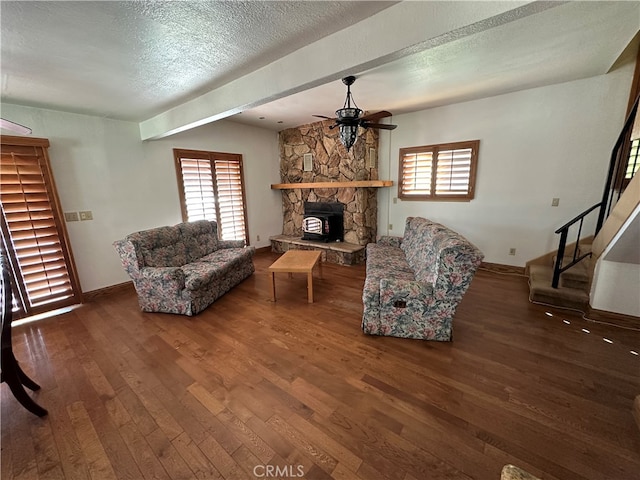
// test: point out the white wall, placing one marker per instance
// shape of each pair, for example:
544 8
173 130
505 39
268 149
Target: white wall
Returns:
615 288
537 144
261 162
101 165
615 284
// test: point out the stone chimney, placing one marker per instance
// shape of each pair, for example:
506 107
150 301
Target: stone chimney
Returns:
330 163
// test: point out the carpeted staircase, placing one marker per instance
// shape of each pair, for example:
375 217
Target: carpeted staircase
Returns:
573 289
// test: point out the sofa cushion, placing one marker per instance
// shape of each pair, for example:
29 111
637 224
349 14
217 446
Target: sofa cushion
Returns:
199 274
386 259
200 238
159 247
228 256
215 266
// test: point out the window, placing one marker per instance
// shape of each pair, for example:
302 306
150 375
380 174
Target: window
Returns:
438 172
33 234
211 187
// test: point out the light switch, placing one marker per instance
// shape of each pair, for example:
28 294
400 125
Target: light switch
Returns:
86 215
71 216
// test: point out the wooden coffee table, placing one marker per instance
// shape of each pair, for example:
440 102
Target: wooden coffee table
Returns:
296 261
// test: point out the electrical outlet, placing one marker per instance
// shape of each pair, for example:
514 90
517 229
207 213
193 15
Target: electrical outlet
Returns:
512 251
391 226
86 215
395 200
257 238
71 216
555 202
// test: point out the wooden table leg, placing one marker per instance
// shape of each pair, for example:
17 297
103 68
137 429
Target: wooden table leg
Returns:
310 286
272 281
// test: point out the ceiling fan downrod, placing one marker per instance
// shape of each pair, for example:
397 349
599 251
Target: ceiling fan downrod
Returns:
348 81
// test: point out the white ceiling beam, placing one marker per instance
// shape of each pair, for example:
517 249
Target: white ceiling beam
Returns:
400 30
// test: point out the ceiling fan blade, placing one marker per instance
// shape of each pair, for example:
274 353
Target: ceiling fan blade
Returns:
14 127
382 126
322 116
376 115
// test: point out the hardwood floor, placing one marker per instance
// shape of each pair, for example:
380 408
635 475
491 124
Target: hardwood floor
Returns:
251 389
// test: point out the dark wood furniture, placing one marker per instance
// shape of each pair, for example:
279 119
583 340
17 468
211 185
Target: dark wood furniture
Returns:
12 374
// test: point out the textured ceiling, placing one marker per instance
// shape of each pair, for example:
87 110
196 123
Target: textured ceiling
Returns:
176 65
134 59
559 44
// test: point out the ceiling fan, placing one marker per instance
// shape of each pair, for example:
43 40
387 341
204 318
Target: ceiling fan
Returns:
349 118
14 127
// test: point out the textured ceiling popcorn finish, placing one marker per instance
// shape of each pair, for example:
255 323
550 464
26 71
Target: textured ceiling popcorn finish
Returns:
134 59
172 66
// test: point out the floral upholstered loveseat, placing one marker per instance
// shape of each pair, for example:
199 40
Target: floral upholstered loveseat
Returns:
184 268
414 283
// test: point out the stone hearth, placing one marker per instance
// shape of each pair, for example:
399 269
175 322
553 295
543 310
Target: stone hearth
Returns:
333 252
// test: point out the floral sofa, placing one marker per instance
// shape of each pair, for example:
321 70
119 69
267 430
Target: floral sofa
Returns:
184 268
414 283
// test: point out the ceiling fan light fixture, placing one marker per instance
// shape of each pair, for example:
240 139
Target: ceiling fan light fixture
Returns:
348 113
348 135
349 118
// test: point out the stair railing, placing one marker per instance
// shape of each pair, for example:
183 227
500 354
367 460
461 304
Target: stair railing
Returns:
614 186
558 268
618 165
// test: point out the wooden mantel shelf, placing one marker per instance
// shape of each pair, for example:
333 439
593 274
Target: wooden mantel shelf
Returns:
354 184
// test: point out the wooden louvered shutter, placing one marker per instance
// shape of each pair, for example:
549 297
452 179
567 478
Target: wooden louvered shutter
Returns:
211 187
438 172
230 194
199 201
453 172
416 172
32 231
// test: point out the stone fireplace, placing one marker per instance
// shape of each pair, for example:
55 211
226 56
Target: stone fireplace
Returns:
328 161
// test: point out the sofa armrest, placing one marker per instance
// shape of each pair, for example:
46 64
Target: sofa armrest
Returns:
230 244
390 241
171 278
128 257
410 309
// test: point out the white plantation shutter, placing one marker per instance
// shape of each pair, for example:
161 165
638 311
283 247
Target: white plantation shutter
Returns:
32 232
230 199
199 196
416 173
453 171
212 188
438 172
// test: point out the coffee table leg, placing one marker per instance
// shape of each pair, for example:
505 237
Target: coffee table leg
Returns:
310 286
272 280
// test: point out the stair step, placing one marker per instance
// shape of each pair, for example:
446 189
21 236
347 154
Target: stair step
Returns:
540 288
576 276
